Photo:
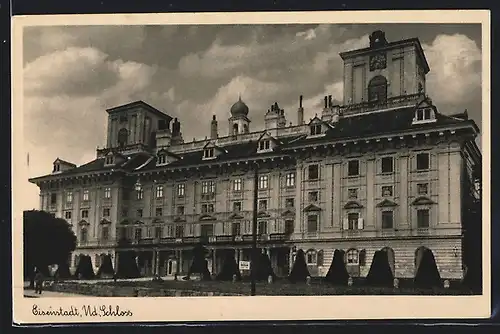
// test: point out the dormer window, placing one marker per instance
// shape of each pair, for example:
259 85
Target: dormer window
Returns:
109 160
316 129
264 145
208 153
57 168
425 113
162 159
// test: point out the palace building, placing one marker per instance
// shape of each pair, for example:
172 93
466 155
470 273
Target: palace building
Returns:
385 170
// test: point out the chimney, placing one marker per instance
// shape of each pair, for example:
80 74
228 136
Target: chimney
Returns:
326 102
213 128
300 112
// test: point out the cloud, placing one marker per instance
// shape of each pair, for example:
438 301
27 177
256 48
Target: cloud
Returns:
455 62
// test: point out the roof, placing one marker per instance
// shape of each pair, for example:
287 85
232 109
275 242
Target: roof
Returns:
142 104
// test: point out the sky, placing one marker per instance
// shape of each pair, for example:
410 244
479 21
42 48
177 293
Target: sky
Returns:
73 73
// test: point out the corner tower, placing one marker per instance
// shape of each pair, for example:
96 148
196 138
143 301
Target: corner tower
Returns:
384 70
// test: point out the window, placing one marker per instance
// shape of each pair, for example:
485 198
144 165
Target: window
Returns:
387 165
362 258
263 182
424 114
97 260
208 153
107 193
53 199
264 145
158 232
85 196
162 159
83 235
377 89
69 197
207 187
422 161
313 172
139 192
312 223
313 196
289 226
237 184
315 129
207 230
159 212
159 191
352 193
353 218
105 233
353 168
311 257
67 215
109 160
263 205
422 188
180 210
236 229
423 218
139 213
207 208
57 168
179 231
138 233
427 113
290 179
262 227
387 219
181 190
105 212
386 191
352 257
85 214
290 202
236 206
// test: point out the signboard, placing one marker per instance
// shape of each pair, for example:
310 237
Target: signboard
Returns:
244 265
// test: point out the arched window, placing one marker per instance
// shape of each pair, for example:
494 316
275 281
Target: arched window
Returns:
352 257
235 129
245 128
122 137
377 89
83 235
362 258
311 257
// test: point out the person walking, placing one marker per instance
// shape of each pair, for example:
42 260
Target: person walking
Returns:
38 282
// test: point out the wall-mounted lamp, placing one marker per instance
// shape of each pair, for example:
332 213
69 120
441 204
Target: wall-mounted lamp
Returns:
455 251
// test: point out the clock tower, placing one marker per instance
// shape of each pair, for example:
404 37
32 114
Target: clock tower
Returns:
384 71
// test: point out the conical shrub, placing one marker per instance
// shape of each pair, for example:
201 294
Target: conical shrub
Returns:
299 271
106 268
380 273
337 273
427 275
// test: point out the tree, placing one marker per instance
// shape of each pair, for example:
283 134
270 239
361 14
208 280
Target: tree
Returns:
84 270
47 240
427 273
127 265
106 268
229 268
62 271
199 264
263 267
380 273
299 271
337 274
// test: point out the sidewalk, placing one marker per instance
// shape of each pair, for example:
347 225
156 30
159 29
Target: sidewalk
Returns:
49 294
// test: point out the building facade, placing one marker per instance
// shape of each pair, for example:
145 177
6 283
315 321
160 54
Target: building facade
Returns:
384 170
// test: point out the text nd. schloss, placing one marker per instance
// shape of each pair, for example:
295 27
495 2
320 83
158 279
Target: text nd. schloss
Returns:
82 311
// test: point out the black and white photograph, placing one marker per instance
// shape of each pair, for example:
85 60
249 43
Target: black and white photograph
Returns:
241 157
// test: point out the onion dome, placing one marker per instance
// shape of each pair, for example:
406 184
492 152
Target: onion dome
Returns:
239 108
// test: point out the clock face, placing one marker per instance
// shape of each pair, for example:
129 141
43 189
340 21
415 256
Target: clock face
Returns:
378 62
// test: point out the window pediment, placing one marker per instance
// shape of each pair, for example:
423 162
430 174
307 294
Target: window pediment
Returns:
386 203
353 205
312 208
83 223
263 214
423 200
179 220
105 222
235 216
288 213
207 217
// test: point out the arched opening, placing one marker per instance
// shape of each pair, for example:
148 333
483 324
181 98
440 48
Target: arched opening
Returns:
352 262
235 129
377 89
390 257
245 128
122 137
83 235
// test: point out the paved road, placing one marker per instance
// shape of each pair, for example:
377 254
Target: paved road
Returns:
49 294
